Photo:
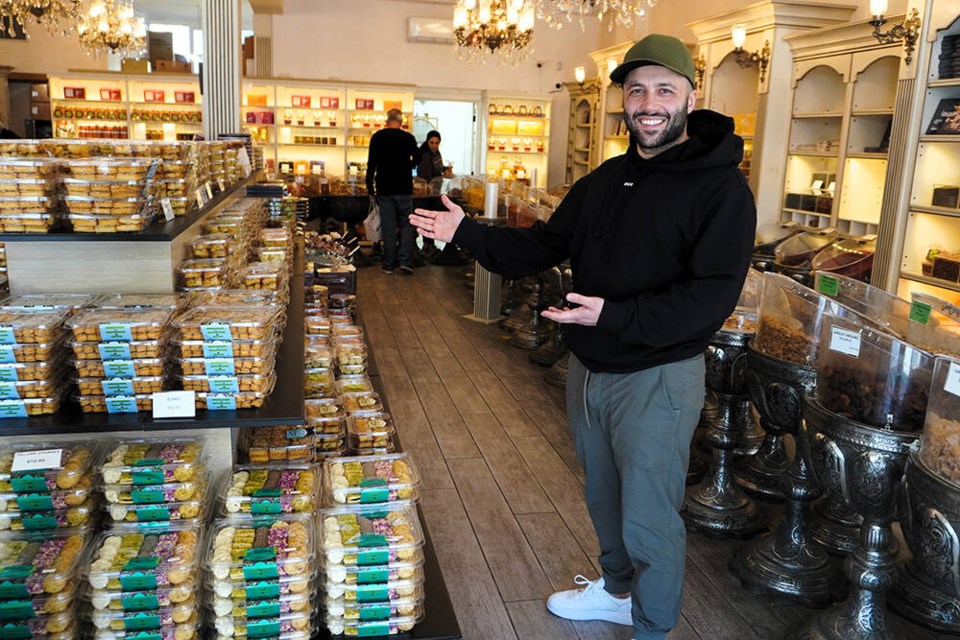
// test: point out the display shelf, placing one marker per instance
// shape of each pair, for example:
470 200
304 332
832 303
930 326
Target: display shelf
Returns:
935 282
945 139
947 82
505 126
866 156
872 112
939 211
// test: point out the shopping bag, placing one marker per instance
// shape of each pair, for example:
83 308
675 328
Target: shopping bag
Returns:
371 224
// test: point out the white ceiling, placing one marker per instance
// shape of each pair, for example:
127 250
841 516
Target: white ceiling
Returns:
186 12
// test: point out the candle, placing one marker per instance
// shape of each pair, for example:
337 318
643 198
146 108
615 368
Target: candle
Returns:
490 195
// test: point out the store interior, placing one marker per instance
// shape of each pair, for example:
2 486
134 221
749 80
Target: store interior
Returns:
221 419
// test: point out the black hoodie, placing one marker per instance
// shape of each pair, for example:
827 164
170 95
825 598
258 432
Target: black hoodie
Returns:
666 243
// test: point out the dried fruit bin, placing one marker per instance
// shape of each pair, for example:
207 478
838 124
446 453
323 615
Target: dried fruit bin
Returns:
367 535
364 401
370 432
226 366
268 444
271 490
133 368
205 273
39 563
78 516
74 465
120 325
120 386
31 327
199 349
128 559
99 223
107 351
180 620
116 404
370 479
227 323
151 462
940 442
258 548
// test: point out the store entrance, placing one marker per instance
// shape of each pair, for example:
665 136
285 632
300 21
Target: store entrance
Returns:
456 122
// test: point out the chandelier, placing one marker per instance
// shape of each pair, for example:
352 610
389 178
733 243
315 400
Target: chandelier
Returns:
58 16
623 12
111 25
503 28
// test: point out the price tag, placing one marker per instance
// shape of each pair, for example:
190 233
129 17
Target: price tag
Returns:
13 409
209 189
167 206
244 159
117 387
7 356
115 332
952 384
8 373
114 350
119 369
296 433
200 195
219 367
845 341
6 336
223 384
8 391
175 404
920 312
36 460
218 350
121 404
221 403
828 285
220 184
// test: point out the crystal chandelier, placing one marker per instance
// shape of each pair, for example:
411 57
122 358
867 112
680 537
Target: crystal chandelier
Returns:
503 28
624 12
58 16
111 25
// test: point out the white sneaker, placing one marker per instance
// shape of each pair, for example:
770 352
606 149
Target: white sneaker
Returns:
590 603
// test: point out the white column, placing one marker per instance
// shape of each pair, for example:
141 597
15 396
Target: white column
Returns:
222 54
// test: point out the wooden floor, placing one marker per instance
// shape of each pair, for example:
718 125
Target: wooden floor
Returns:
502 489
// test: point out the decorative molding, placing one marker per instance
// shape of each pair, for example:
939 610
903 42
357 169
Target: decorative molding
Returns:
771 14
839 39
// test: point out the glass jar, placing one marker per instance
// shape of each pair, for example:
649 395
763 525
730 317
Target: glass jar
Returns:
940 443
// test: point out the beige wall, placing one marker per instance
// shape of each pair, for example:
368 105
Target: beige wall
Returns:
41 53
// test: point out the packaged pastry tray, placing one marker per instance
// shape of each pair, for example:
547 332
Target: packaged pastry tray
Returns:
119 325
181 188
219 349
152 462
181 620
205 272
12 610
31 327
107 207
149 514
228 323
59 471
180 632
100 223
32 389
166 301
129 559
13 168
370 479
15 187
28 222
72 302
271 490
133 368
40 563
366 535
272 588
271 444
276 238
59 499
121 386
132 601
79 516
31 371
236 298
354 384
116 404
319 383
351 358
370 431
274 255
317 356
290 626
29 407
364 401
260 548
58 626
390 627
111 169
329 446
13 205
227 366
213 245
105 189
263 276
394 591
374 574
325 416
317 325
134 350
244 383
231 401
243 608
155 493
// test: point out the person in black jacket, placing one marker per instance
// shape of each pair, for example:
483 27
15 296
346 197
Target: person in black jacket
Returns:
430 167
659 241
390 162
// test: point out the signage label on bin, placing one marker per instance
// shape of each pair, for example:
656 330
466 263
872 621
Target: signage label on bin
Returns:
13 409
115 332
952 384
920 312
175 404
215 331
222 349
7 336
168 213
36 461
114 350
828 285
845 341
121 404
8 373
117 387
119 369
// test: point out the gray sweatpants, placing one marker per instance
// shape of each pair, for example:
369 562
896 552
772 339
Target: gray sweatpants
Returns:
632 433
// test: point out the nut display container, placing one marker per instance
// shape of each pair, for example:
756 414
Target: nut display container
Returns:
934 325
850 257
370 479
119 325
872 377
799 250
128 559
152 462
878 307
271 490
370 432
940 443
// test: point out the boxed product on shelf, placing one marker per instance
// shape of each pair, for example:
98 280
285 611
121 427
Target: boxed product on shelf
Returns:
143 506
125 351
227 323
205 273
65 468
150 462
130 559
31 327
120 325
263 275
21 519
271 490
370 432
319 383
362 401
326 416
229 383
121 386
227 366
268 444
370 479
214 245
116 404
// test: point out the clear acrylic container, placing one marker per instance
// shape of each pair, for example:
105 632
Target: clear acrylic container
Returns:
129 559
133 368
354 384
119 325
386 591
940 443
376 619
799 250
59 499
879 307
120 386
79 516
135 350
31 327
74 465
40 563
351 358
849 257
290 626
227 366
269 276
346 539
155 493
205 273
325 416
318 356
109 223
370 479
230 384
227 323
271 490
370 432
272 444
934 325
319 383
153 461
872 377
254 590
261 548
218 349
374 574
178 619
216 245
365 401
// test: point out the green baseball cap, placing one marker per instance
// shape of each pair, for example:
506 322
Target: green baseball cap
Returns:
665 51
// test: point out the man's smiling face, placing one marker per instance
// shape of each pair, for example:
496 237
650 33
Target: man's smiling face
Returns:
656 102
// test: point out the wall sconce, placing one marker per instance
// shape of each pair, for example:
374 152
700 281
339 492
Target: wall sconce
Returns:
611 65
908 30
580 74
746 59
700 70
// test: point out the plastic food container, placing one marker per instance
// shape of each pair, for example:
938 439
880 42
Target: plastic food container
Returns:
879 308
168 301
236 298
39 563
135 350
261 548
343 301
205 273
940 443
27 221
317 325
351 358
347 540
106 207
15 187
263 275
29 371
231 401
134 601
128 559
28 204
317 356
392 626
49 301
177 620
211 245
934 325
257 590
269 490
47 605
109 223
374 574
116 404
244 608
151 513
31 327
237 349
229 384
354 384
68 470
399 593
325 416
274 254
139 368
370 479
111 169
227 323
799 250
29 407
872 377
104 189
15 168
328 445
370 432
119 325
319 383
152 462
155 493
25 502
848 257
291 626
227 366
30 389
120 386
224 223
267 444
78 516
58 626
275 238
363 401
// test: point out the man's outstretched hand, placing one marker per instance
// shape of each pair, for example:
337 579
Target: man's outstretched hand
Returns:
587 311
439 225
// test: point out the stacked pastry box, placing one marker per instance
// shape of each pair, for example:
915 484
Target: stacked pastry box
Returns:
49 503
223 249
372 545
227 354
30 194
121 355
109 195
144 579
34 369
261 567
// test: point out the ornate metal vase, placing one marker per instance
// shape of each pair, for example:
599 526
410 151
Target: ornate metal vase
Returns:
865 465
536 330
835 525
928 588
514 303
716 505
554 347
787 565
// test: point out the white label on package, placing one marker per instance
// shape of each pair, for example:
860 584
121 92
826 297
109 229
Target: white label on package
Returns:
845 341
34 460
244 159
200 195
175 404
168 214
952 384
209 189
220 183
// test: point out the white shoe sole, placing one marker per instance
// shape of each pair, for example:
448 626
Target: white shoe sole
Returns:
604 616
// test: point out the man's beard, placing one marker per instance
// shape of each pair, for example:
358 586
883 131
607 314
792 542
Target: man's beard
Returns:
676 125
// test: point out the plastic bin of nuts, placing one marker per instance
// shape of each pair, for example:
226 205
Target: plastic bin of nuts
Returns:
265 490
227 323
269 276
370 479
120 325
269 444
230 384
205 273
370 432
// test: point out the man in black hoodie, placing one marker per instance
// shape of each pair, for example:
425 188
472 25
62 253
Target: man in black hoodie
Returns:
659 240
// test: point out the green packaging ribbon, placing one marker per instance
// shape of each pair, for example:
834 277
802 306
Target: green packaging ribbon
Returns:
373 575
375 613
263 610
376 629
17 610
35 502
141 622
262 590
372 593
140 602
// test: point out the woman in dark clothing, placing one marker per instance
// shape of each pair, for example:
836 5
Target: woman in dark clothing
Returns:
430 167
